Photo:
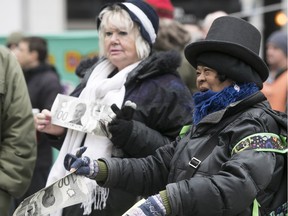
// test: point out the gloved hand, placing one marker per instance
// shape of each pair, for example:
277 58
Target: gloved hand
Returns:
126 112
83 165
121 126
153 206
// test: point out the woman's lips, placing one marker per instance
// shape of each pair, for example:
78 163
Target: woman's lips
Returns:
115 51
203 89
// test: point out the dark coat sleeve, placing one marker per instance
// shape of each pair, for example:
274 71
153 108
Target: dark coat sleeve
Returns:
147 175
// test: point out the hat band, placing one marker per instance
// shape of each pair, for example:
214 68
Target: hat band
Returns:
144 20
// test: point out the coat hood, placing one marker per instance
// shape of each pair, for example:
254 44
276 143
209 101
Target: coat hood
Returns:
158 63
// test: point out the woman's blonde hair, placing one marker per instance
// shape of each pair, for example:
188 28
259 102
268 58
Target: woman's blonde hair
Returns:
120 19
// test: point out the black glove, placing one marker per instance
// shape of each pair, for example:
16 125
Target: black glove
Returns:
126 112
121 126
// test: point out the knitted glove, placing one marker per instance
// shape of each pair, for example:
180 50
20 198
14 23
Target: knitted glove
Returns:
153 206
121 126
83 165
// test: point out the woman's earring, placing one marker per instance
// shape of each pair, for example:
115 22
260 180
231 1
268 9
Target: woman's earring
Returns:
236 87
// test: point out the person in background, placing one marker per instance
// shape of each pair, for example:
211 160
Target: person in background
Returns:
164 8
276 86
17 132
127 70
43 84
173 35
222 165
13 40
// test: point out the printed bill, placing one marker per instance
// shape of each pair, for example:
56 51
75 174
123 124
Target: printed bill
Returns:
65 192
86 116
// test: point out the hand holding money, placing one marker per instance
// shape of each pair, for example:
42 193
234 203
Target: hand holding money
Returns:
81 115
43 123
81 165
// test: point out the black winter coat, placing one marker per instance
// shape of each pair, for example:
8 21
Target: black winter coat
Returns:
43 86
224 184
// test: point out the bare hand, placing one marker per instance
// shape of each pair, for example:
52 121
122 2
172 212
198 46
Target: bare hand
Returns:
43 123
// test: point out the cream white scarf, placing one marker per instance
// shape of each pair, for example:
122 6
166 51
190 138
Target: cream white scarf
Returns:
103 90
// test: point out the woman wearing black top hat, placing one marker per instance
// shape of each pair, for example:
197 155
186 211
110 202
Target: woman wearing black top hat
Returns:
233 125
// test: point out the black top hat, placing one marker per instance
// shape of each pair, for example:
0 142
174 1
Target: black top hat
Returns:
233 36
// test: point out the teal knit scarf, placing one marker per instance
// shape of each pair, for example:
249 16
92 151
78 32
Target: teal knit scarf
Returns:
209 101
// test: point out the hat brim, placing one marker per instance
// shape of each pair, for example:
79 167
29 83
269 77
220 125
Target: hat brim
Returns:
195 49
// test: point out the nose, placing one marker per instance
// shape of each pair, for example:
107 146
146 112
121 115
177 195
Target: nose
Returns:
201 77
114 38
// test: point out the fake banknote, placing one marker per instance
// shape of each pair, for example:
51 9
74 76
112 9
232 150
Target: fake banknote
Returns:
67 191
78 114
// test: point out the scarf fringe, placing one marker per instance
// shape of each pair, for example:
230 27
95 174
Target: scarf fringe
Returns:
97 197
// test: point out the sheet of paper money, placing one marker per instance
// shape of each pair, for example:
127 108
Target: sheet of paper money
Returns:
67 191
77 114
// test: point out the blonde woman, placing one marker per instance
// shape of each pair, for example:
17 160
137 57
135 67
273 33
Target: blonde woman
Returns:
127 70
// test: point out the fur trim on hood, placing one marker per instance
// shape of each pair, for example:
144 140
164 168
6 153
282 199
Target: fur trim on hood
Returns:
159 63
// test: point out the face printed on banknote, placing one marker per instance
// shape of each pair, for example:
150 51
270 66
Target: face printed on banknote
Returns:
65 192
77 114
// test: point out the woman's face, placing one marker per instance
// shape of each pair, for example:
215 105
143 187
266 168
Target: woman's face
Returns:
119 47
207 79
